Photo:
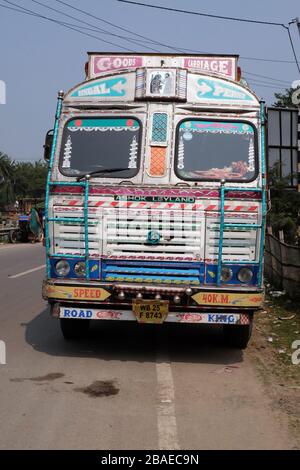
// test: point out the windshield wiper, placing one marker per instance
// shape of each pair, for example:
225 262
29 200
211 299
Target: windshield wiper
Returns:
101 172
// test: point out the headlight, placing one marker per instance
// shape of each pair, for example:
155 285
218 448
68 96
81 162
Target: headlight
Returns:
226 274
245 275
62 268
80 269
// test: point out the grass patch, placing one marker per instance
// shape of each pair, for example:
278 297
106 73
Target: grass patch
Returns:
279 326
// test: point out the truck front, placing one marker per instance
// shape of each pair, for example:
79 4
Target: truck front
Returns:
155 201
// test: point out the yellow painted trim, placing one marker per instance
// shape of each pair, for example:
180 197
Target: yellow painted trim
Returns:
229 300
76 293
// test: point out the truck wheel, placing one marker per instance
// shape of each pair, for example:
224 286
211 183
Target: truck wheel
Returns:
237 336
73 328
13 236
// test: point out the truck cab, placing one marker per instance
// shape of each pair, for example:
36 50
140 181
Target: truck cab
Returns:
156 195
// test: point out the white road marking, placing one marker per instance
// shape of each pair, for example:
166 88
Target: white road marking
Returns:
27 272
166 417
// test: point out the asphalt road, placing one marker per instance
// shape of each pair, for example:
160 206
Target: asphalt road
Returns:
126 386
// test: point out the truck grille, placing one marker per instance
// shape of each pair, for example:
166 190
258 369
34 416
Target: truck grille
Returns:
185 235
181 234
238 244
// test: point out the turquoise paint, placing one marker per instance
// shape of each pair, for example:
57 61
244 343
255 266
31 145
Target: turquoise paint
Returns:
256 190
210 89
150 278
113 87
64 256
66 219
148 270
47 239
63 219
224 225
264 203
242 263
221 233
78 220
159 127
246 226
96 122
65 183
217 127
86 228
153 237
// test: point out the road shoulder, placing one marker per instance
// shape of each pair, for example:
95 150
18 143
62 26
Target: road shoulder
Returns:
271 352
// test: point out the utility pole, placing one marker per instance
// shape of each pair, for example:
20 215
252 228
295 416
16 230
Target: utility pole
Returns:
296 101
296 21
298 24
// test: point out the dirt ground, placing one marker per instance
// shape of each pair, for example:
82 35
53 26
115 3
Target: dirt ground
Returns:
271 350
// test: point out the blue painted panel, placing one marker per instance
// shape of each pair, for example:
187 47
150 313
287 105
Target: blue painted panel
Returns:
150 278
153 272
94 268
165 264
135 271
147 270
159 127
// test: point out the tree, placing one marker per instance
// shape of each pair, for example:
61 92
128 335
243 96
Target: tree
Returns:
285 202
7 167
284 100
285 205
30 179
21 180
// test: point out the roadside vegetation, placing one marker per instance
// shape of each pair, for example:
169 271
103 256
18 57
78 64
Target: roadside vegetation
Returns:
285 206
20 180
285 203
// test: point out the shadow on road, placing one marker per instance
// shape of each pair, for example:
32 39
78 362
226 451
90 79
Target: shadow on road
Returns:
128 341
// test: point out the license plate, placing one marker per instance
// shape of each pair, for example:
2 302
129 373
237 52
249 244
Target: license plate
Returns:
150 311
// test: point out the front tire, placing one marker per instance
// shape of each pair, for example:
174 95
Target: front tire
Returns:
13 236
73 328
237 336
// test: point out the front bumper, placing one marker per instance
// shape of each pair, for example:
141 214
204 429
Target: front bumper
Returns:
104 295
63 311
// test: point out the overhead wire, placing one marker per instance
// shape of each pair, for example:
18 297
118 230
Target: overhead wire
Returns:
85 12
208 15
151 40
27 11
228 18
20 9
101 30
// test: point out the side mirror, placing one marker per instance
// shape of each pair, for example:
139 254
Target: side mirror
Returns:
48 145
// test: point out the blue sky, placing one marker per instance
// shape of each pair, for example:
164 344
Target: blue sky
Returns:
38 57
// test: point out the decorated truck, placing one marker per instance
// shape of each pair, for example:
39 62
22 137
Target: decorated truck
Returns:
156 195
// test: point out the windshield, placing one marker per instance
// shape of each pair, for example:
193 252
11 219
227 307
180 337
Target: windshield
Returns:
91 144
214 150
